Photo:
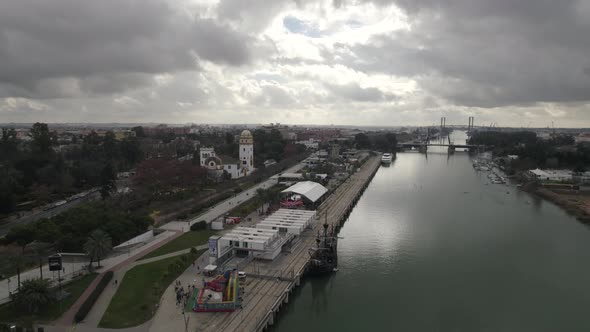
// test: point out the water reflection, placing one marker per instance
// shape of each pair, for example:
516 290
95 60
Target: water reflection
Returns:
321 288
431 247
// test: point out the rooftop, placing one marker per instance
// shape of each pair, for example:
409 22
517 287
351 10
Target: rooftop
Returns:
310 190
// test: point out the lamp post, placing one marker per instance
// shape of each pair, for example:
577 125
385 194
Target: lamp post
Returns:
185 320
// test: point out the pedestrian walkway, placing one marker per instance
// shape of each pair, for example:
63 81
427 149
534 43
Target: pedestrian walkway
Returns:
227 205
74 269
95 315
169 316
115 264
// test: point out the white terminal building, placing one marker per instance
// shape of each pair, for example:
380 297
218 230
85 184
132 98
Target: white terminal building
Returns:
266 239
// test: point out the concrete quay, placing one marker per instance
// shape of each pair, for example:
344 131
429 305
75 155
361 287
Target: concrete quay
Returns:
269 284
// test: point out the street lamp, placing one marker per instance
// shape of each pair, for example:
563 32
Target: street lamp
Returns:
185 320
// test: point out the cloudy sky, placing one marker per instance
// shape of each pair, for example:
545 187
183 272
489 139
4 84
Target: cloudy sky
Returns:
365 62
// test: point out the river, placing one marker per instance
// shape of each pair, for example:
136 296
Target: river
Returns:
431 247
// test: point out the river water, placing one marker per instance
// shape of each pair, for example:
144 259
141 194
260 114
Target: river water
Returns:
431 247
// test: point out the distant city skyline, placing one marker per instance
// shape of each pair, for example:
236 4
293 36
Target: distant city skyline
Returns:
341 62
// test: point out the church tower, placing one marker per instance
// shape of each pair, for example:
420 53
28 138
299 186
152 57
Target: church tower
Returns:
246 152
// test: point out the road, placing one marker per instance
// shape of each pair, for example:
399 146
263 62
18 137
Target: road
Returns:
36 215
227 205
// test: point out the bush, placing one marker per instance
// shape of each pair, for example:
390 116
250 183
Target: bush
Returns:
198 226
87 305
193 251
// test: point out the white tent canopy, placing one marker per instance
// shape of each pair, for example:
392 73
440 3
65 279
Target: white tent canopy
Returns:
310 190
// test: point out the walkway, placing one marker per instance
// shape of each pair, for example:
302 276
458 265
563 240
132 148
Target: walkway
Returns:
115 264
227 205
90 324
72 269
169 315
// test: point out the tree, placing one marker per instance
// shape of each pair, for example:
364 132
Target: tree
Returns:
107 180
41 137
362 141
17 263
8 144
131 150
98 245
579 169
21 235
109 145
262 196
138 131
34 294
229 138
8 185
391 140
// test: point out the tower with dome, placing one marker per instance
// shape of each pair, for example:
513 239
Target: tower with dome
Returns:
246 153
236 168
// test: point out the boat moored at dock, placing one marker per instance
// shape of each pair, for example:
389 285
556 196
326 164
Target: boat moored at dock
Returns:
386 158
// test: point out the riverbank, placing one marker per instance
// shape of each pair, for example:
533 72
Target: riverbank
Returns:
573 202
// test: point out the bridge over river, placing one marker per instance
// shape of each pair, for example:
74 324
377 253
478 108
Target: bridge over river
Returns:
422 146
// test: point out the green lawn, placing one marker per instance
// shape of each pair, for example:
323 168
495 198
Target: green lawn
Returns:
12 314
185 241
244 209
140 291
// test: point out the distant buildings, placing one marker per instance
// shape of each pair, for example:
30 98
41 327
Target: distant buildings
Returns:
310 144
177 148
582 138
551 175
164 129
322 135
559 176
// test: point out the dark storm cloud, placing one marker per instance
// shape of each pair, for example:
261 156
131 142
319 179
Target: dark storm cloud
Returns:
487 53
105 40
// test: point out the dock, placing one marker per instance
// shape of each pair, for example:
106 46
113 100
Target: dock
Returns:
269 285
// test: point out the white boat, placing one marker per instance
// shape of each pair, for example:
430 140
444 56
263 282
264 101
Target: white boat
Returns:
386 158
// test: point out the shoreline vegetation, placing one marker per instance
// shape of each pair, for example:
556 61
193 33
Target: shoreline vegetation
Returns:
574 203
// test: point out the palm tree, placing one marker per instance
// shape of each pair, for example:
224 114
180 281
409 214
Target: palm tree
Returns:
34 294
17 263
98 245
261 198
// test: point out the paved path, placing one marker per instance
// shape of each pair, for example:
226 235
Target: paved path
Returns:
225 206
169 315
115 264
73 269
94 317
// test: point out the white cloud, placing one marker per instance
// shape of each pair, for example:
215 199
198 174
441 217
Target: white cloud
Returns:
359 62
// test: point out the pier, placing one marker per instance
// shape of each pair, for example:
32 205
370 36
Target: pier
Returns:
269 284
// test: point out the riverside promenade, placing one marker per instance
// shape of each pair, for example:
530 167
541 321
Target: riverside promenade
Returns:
269 284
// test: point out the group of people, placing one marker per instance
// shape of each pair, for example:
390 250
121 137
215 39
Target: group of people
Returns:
182 295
